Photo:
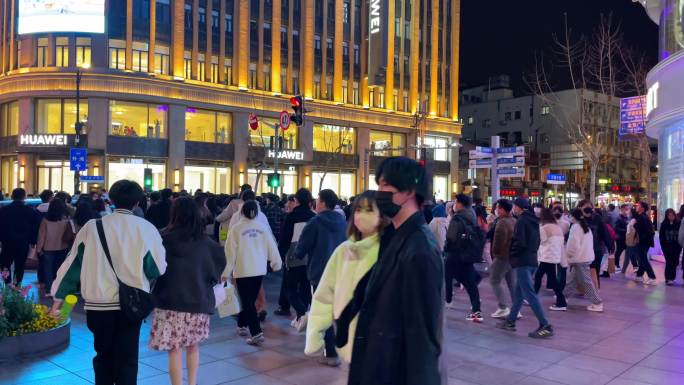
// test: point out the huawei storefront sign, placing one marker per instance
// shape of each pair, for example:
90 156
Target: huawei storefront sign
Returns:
42 140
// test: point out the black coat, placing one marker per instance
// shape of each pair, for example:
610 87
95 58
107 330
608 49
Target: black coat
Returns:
668 235
159 214
300 214
621 228
399 335
601 236
644 228
18 227
526 240
193 268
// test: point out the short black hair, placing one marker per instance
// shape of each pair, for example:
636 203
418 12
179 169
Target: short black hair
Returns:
154 196
644 205
18 194
505 204
404 174
625 205
248 195
611 207
303 196
46 195
166 194
245 187
329 198
125 194
464 200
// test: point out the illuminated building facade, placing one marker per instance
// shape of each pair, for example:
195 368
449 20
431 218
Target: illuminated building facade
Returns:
171 84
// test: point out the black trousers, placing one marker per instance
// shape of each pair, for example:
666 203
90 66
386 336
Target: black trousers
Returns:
466 274
596 265
16 255
298 289
248 289
620 246
116 347
549 269
329 338
282 298
671 262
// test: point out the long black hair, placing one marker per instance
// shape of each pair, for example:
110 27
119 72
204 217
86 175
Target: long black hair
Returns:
579 217
187 219
250 209
56 210
85 211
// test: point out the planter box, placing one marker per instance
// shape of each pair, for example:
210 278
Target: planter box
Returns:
30 345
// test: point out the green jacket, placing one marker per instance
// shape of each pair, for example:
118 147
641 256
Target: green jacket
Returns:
349 263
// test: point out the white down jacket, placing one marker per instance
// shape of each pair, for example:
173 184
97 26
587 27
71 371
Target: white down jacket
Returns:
580 247
552 242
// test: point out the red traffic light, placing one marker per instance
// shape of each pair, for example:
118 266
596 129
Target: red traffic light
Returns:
253 122
296 101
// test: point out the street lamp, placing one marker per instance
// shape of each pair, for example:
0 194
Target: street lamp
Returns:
78 126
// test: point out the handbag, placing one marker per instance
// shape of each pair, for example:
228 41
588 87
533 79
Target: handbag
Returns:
136 304
219 294
69 233
231 305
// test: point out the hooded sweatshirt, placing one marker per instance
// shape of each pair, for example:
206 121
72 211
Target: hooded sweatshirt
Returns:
348 265
249 247
319 238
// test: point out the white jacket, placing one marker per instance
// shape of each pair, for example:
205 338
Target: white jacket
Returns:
551 246
439 227
249 247
580 247
137 252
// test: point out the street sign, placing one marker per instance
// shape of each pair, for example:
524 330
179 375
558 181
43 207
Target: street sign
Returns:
480 163
78 159
510 151
510 172
632 116
483 150
472 154
92 178
284 120
253 122
555 179
487 163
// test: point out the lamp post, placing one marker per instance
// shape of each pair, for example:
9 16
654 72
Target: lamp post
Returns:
78 126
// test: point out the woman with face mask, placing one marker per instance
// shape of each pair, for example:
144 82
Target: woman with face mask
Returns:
349 264
579 252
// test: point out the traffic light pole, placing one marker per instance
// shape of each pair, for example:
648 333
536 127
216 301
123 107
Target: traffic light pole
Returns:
495 181
276 143
78 128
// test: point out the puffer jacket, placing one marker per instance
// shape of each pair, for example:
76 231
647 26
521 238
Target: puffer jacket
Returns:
349 264
551 246
580 246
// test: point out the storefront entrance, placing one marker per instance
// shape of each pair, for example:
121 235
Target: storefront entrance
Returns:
288 180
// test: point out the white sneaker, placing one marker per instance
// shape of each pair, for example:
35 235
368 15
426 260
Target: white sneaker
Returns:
300 324
525 302
558 308
450 306
501 313
650 282
256 340
243 332
595 308
293 322
519 315
638 279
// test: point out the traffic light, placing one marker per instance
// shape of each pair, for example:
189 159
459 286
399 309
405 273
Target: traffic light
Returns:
273 180
298 108
148 179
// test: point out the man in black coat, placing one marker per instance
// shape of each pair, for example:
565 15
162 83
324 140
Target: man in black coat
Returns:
159 213
18 229
399 335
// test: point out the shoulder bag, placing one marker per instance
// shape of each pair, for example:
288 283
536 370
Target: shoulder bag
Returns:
136 304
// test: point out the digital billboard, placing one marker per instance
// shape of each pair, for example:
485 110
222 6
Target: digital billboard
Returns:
61 16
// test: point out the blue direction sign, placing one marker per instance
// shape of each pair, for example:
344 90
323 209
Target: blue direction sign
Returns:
511 151
92 179
555 179
78 159
510 172
632 116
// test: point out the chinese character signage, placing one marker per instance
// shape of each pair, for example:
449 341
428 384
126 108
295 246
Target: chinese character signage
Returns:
632 116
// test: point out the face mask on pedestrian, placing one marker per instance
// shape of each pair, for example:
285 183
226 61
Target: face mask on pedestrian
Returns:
587 211
367 221
383 199
537 211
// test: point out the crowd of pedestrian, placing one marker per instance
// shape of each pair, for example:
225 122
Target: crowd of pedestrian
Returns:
368 281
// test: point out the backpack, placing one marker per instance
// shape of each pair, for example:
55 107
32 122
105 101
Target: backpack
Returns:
469 245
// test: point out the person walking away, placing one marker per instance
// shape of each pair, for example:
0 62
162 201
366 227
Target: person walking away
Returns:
248 249
644 231
440 224
523 256
349 264
159 213
184 296
273 213
464 247
54 236
138 258
550 255
230 210
501 266
631 244
579 252
612 215
621 233
18 232
401 308
295 284
668 232
45 198
320 237
600 235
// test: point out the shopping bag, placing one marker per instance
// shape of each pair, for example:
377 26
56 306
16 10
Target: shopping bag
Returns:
219 294
231 305
611 264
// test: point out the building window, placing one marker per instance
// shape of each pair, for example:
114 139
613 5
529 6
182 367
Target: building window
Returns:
507 116
208 126
471 120
62 52
261 137
439 144
214 179
383 143
200 69
486 123
41 52
161 60
335 139
83 52
137 119
56 176
517 115
117 54
343 183
317 89
9 119
140 51
187 66
58 116
545 110
355 94
134 169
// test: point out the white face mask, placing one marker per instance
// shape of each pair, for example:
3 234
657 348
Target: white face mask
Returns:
367 221
537 211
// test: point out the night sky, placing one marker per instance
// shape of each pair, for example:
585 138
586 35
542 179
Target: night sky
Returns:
501 36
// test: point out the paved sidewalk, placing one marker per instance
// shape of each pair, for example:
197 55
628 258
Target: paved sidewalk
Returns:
638 340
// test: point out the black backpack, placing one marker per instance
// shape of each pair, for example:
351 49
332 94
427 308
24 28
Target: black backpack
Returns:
469 245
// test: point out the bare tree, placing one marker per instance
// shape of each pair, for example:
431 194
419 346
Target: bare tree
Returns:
593 68
335 142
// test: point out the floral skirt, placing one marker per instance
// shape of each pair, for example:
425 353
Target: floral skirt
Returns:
174 329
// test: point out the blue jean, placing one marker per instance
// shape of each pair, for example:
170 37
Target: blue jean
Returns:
49 263
524 289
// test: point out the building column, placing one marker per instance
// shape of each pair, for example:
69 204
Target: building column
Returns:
414 65
454 172
241 145
455 56
260 49
129 34
194 55
177 39
222 44
51 50
389 77
305 134
362 145
208 55
338 41
27 160
363 84
352 40
98 123
434 58
153 36
276 66
241 39
306 39
3 43
289 81
12 58
72 51
176 135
